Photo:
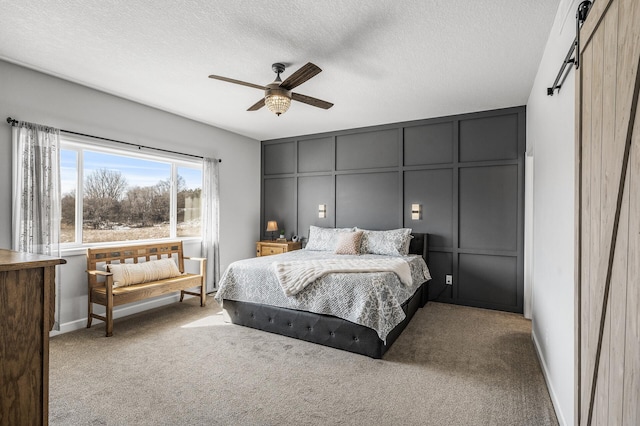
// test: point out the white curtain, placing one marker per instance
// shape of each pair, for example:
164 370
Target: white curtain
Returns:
36 193
211 220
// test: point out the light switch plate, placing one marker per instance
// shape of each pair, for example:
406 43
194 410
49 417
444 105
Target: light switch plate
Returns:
448 279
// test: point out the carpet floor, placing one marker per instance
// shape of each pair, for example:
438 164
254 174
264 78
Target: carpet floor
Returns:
182 365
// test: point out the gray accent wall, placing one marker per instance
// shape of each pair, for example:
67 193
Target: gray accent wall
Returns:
466 172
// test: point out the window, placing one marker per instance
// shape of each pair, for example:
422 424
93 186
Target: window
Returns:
113 195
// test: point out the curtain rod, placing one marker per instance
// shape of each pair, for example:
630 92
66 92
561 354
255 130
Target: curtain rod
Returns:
14 122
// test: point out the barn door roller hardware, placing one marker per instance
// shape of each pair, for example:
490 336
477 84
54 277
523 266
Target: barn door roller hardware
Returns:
581 16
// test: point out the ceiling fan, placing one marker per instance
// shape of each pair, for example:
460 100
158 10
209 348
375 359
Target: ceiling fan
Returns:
278 95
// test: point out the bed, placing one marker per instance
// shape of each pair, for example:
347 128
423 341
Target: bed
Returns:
366 320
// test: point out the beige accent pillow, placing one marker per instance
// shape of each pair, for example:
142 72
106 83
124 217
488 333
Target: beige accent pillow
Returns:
349 243
125 274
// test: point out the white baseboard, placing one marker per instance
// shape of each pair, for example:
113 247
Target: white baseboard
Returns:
117 313
545 373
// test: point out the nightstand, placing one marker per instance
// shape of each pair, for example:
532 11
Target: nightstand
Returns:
267 248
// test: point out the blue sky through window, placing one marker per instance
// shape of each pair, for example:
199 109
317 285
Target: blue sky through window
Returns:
68 162
138 172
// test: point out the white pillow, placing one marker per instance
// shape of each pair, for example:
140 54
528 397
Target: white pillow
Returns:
394 242
324 239
125 274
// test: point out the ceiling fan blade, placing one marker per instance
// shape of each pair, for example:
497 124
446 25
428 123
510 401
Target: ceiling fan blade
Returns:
311 101
303 74
243 83
257 105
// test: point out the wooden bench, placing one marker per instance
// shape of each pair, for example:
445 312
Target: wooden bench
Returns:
102 292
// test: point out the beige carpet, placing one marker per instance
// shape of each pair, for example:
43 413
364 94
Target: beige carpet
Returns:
181 364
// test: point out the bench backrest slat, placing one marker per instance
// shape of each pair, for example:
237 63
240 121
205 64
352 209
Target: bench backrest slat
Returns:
99 256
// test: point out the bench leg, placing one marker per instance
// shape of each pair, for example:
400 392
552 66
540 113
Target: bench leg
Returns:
203 283
181 295
109 324
89 311
109 313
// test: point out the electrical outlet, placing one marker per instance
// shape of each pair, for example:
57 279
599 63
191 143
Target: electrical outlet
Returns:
448 280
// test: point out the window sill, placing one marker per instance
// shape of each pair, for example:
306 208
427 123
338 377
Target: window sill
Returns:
81 250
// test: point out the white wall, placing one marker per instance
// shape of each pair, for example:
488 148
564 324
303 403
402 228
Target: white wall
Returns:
33 96
550 139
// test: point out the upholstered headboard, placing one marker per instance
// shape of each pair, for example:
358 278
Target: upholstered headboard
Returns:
420 245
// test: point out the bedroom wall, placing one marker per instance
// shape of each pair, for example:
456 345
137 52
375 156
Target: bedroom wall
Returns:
551 142
466 171
33 96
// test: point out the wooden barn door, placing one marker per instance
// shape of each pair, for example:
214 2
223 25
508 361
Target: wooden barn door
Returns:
608 216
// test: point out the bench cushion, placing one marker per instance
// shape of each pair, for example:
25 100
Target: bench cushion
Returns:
125 274
135 292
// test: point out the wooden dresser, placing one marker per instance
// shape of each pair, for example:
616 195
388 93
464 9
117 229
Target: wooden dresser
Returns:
27 293
267 248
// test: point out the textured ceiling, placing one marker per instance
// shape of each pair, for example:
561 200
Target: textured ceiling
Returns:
382 61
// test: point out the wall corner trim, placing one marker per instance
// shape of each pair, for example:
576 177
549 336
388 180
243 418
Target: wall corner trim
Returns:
543 366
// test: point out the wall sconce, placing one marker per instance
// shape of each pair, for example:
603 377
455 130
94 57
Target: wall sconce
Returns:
272 226
416 210
322 211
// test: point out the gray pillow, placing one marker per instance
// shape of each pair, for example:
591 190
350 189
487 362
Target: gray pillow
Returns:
325 239
394 242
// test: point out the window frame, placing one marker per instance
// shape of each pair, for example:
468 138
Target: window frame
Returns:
79 144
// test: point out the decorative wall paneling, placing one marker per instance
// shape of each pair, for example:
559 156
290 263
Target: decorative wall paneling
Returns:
608 216
466 171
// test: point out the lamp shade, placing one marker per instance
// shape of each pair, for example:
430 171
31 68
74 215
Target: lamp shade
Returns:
272 226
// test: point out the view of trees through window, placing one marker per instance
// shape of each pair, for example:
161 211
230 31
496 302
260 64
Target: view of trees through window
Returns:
128 198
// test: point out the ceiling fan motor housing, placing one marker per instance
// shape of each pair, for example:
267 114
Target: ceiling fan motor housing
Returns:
278 67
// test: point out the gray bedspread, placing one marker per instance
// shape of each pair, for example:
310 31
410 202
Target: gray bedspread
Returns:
373 299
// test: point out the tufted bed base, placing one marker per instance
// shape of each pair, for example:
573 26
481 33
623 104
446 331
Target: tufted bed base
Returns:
326 330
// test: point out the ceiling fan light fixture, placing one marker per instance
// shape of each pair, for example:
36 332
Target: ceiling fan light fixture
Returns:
277 104
278 95
278 100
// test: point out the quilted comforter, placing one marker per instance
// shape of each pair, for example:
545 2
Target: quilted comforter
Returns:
371 299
